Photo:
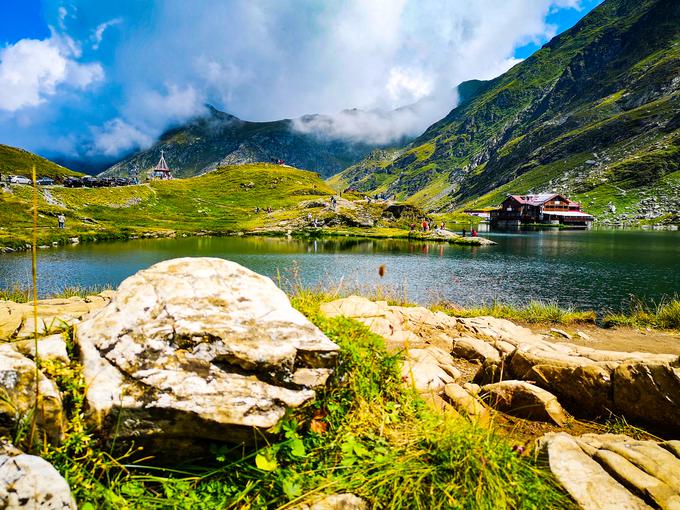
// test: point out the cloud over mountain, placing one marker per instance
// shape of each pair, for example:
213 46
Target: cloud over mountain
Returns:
140 67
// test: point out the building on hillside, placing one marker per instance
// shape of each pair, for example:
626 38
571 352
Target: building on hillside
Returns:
546 208
161 171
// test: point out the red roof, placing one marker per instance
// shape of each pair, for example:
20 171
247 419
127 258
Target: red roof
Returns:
540 199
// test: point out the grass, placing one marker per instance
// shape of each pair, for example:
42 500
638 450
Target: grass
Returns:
364 434
535 312
223 201
662 315
14 161
20 294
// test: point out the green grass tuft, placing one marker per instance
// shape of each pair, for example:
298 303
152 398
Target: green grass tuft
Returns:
662 315
535 312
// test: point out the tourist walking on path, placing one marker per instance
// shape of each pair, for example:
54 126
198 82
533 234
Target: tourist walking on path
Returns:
61 219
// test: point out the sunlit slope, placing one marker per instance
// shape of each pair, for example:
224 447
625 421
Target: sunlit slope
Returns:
14 161
221 201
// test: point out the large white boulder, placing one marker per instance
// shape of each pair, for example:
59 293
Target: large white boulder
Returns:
199 348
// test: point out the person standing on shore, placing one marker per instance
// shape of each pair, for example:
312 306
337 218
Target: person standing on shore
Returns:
61 219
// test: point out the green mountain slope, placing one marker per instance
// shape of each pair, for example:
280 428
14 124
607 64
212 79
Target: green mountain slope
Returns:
595 113
14 161
221 139
221 201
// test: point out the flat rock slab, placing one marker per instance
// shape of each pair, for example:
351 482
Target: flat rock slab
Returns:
199 348
611 471
54 315
585 480
401 326
29 482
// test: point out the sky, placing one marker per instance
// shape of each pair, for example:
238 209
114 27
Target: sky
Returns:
91 80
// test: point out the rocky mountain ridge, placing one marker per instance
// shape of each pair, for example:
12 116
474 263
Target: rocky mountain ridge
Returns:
219 139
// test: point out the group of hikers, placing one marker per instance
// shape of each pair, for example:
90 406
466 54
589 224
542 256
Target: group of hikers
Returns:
426 226
268 210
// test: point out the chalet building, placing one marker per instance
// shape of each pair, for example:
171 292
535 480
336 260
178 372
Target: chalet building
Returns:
547 208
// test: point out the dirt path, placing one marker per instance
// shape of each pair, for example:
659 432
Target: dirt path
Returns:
617 339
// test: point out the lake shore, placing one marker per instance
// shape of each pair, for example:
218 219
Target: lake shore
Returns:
422 388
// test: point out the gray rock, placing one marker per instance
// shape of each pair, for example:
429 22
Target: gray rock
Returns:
638 481
474 349
51 347
19 402
649 392
428 370
466 403
334 502
199 348
29 482
524 400
561 333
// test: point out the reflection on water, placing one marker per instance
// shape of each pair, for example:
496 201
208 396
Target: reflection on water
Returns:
588 269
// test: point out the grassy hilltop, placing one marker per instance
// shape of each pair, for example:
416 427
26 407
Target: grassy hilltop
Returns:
218 202
14 161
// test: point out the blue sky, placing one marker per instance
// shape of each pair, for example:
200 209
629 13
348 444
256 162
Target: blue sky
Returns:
88 79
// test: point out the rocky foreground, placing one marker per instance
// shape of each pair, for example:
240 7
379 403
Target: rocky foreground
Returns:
198 350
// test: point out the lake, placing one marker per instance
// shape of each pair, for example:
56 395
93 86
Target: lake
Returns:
586 269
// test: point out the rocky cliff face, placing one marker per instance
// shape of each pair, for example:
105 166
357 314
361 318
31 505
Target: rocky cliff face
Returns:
219 139
594 113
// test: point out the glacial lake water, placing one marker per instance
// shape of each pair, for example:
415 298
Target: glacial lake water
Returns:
585 269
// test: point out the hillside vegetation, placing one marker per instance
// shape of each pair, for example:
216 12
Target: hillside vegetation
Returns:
219 202
595 114
14 161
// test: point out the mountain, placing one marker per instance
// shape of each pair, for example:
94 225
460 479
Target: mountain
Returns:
15 161
595 113
219 139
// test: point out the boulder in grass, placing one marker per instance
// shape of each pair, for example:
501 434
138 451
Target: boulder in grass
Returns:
29 482
18 401
199 348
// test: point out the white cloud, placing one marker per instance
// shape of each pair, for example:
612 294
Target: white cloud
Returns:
568 4
408 85
62 13
98 33
266 60
31 70
117 136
